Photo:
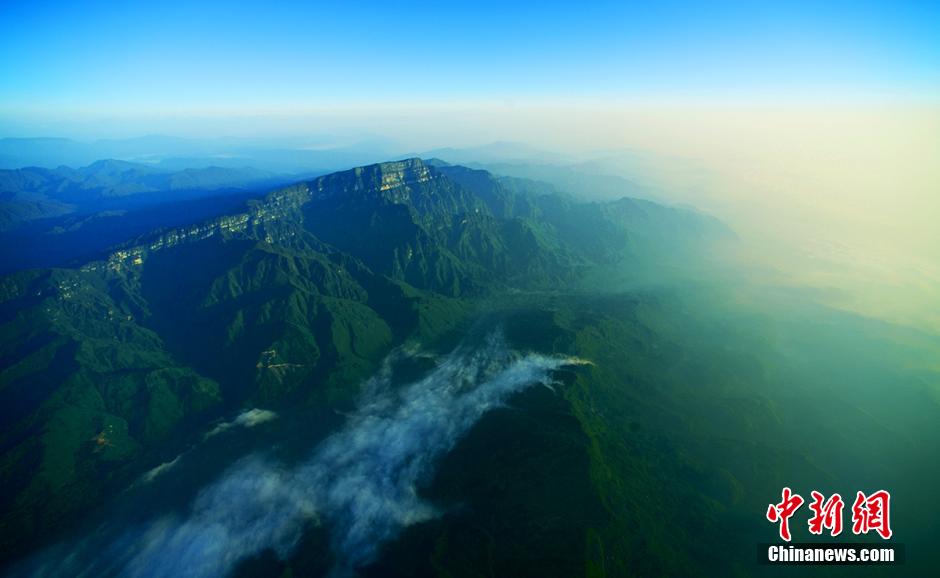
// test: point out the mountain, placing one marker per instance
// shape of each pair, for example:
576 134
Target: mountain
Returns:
335 379
587 179
107 367
64 216
34 193
309 154
495 152
567 177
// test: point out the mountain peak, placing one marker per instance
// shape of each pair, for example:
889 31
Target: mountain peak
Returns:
399 173
378 177
402 168
112 167
409 163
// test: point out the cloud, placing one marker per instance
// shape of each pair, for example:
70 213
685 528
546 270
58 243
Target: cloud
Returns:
361 482
247 418
152 474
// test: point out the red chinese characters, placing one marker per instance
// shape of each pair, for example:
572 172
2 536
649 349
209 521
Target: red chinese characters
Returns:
869 513
826 514
872 512
782 512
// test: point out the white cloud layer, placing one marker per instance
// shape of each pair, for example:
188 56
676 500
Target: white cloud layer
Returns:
362 482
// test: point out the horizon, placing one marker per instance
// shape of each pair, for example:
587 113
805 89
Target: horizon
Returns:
838 201
656 267
138 67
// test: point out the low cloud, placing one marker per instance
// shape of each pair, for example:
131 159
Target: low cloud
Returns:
361 483
247 418
153 473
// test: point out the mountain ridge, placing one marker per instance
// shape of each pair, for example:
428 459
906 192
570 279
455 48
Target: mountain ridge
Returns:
32 193
112 368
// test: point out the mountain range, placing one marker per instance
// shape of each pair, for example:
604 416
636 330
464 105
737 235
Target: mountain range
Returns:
290 301
33 193
645 457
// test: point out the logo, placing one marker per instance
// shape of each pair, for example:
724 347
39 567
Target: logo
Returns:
870 513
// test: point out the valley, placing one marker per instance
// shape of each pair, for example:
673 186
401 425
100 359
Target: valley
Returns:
703 395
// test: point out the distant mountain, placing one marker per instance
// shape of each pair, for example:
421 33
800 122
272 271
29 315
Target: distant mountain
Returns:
587 184
53 152
313 154
586 179
498 152
57 217
35 193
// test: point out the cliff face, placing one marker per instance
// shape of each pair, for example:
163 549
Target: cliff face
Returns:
379 178
259 222
392 182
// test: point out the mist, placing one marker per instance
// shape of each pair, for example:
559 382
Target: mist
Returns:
362 483
832 194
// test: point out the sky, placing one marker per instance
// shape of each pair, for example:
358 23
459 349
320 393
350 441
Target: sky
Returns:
151 59
813 128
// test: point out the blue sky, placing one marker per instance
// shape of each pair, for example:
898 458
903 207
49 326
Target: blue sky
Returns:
811 127
151 56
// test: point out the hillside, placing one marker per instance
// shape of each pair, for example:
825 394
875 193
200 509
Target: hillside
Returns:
106 368
374 333
33 193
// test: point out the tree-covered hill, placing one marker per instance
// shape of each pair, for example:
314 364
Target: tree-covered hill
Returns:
110 367
650 460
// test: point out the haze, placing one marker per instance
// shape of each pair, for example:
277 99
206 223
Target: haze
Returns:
812 131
